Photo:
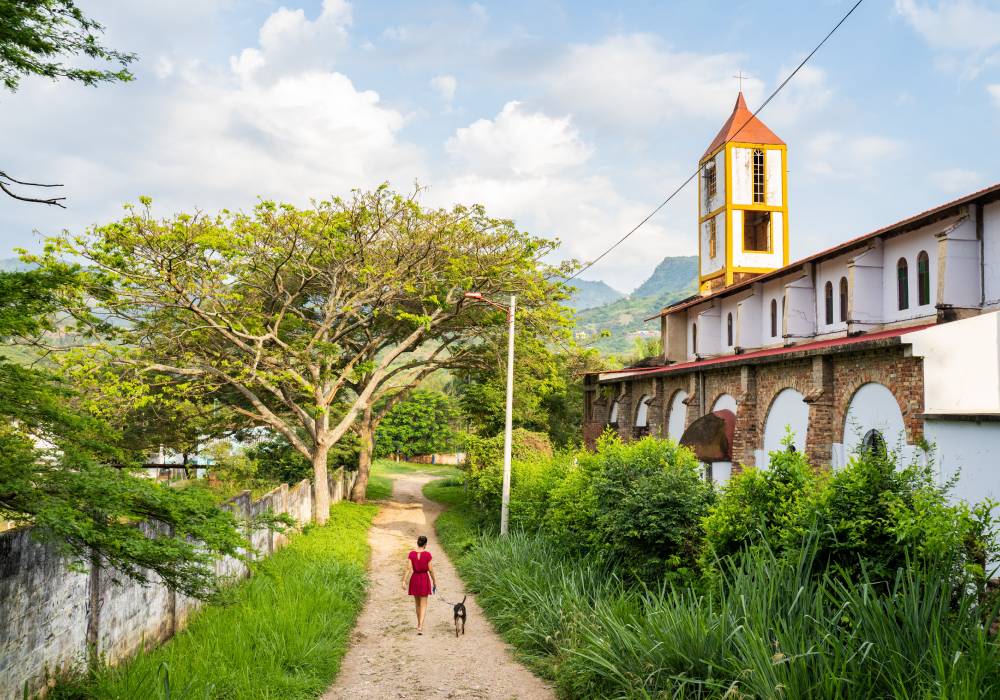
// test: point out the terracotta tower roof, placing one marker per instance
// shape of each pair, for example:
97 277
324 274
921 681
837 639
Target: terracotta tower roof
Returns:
743 126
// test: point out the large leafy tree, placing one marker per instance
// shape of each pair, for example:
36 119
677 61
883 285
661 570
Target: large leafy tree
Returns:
46 38
62 470
419 425
294 315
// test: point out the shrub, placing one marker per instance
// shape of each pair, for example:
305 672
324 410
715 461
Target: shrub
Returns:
760 504
484 463
572 512
651 496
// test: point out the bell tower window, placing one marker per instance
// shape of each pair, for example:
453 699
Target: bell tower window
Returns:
711 185
757 167
757 231
711 238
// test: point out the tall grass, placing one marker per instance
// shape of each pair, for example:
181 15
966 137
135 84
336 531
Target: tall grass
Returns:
767 627
282 636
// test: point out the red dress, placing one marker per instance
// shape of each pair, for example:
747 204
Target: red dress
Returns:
420 581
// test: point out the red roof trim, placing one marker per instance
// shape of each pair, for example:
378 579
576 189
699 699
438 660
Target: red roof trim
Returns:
829 252
772 352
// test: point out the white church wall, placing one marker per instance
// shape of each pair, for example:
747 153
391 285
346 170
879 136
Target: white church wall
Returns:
961 365
772 259
709 204
748 320
774 170
864 287
991 252
800 308
957 272
729 307
677 417
741 175
788 409
708 331
711 264
907 247
775 290
831 271
969 449
873 407
724 402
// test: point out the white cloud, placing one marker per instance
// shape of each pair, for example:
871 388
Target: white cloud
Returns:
994 91
635 80
956 180
807 95
966 32
518 142
445 85
833 154
289 41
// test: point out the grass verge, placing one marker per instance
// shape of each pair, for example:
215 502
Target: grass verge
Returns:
283 635
379 487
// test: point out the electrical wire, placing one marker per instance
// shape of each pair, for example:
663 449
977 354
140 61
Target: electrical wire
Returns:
695 173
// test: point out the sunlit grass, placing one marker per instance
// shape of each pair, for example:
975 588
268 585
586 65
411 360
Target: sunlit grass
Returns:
282 636
387 466
379 487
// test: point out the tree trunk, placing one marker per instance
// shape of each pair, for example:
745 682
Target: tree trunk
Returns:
366 434
321 486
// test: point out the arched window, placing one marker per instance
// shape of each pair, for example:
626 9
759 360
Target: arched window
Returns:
903 284
694 338
758 176
711 238
613 416
843 300
711 186
923 279
729 330
828 299
642 413
873 442
774 318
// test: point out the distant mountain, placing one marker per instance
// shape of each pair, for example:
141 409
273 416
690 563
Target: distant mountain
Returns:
589 294
675 278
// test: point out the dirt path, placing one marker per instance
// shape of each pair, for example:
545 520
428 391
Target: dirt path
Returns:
387 658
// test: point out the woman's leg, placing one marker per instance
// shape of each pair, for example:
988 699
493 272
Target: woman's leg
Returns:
421 610
416 606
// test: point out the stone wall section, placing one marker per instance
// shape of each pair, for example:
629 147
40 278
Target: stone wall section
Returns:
827 381
50 613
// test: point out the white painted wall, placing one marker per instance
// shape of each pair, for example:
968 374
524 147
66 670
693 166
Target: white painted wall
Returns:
642 413
742 258
788 409
959 282
724 402
969 449
961 365
908 246
800 308
741 175
774 170
771 290
722 472
830 271
677 416
864 280
748 327
719 199
708 332
991 252
873 407
713 264
729 306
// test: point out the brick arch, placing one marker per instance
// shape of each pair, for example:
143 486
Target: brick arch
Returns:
725 392
793 380
667 414
763 415
845 395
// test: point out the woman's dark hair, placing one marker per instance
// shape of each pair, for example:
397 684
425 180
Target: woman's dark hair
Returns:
421 541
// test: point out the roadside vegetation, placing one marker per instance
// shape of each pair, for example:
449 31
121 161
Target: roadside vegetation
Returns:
281 634
627 576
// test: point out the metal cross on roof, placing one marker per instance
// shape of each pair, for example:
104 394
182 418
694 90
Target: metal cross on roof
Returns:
739 76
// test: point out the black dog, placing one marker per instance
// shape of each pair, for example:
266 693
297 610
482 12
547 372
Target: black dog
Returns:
460 615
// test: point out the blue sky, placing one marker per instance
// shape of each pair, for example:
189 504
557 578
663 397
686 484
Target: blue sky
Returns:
573 118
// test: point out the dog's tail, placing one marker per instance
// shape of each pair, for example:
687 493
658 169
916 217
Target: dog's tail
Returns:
463 599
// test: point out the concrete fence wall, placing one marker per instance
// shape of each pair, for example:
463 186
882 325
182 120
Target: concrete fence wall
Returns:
50 614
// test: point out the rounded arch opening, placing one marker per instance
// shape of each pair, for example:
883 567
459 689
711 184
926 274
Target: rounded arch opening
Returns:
677 416
788 410
873 407
642 413
724 402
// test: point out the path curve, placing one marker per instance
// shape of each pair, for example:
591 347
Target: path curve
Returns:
387 659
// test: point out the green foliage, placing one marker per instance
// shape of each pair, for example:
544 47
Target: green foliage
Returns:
418 425
379 488
290 624
35 35
650 498
761 504
484 463
277 462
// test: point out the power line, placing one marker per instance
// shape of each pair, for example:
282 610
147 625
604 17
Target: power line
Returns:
695 173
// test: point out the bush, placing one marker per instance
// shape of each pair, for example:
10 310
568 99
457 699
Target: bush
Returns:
760 504
650 498
484 463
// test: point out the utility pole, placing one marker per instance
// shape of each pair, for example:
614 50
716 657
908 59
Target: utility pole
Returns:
509 413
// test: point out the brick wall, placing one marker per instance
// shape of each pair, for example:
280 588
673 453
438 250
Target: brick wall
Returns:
47 609
828 382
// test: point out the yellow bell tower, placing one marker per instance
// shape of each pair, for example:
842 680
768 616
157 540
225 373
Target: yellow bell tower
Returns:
742 202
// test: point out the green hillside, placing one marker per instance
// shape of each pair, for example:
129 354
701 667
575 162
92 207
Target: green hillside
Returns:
590 294
673 279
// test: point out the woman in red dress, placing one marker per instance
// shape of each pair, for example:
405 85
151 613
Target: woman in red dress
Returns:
419 581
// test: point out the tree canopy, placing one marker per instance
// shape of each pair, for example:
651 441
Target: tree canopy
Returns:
297 317
419 425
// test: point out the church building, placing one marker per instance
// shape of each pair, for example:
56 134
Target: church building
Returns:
889 338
